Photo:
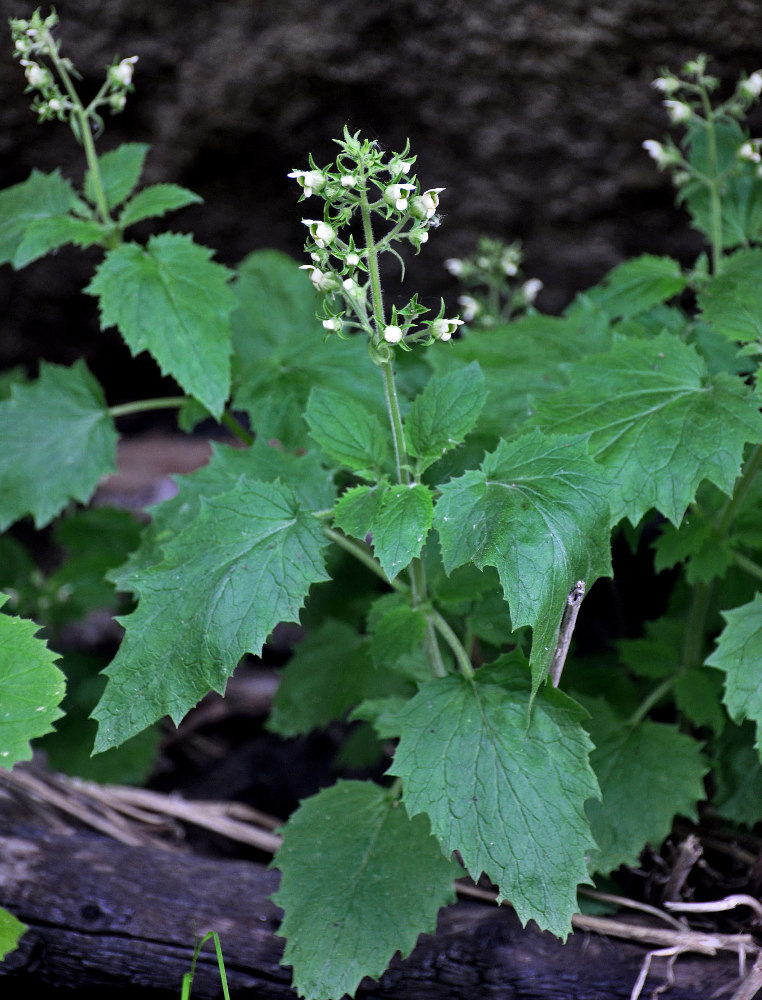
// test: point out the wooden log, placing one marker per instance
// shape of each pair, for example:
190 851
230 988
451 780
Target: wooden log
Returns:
105 915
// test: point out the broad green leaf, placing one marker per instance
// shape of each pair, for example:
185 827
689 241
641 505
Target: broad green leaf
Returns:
356 509
44 235
31 688
348 433
737 775
120 171
43 200
243 563
11 931
401 526
740 207
504 788
281 354
171 300
57 441
330 672
698 695
739 655
443 414
657 423
155 201
636 285
648 773
349 858
731 301
396 629
537 511
656 654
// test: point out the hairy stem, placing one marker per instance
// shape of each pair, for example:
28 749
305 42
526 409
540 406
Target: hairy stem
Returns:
713 184
362 555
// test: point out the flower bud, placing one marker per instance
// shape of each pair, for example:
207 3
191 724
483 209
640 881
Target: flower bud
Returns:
443 329
531 289
471 307
666 84
324 281
750 151
399 166
752 86
392 334
454 265
397 195
121 74
348 180
351 288
679 112
426 204
321 232
312 181
37 76
332 325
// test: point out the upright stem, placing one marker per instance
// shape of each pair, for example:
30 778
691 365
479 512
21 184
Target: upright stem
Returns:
714 193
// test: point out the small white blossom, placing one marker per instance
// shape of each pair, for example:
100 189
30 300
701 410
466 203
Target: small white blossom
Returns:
443 329
321 232
471 307
509 265
398 166
753 84
353 259
348 180
666 84
123 72
392 334
750 151
454 265
333 325
117 102
678 111
312 181
656 151
397 195
420 237
426 204
37 76
351 288
324 281
531 289
55 104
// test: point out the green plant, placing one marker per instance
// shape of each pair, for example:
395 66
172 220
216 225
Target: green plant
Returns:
433 506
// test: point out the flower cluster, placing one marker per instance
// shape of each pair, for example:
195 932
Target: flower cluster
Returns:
35 47
364 181
493 275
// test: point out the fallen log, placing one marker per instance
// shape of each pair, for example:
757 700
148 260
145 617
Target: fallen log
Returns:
108 915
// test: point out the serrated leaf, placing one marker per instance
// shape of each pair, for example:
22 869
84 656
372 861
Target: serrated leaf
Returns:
41 200
442 415
58 440
648 774
739 655
171 300
731 302
348 433
504 788
120 171
154 201
44 235
330 672
281 353
244 563
401 526
636 285
656 654
350 855
11 931
537 511
657 423
31 688
698 695
396 629
356 509
737 775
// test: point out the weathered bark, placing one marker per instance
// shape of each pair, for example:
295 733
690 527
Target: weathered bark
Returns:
105 915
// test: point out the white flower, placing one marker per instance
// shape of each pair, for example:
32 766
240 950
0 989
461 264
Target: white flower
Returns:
397 195
666 84
353 259
122 73
37 76
392 334
750 151
471 307
454 265
398 166
55 104
312 181
426 204
321 232
531 289
333 325
348 180
509 263
656 151
753 84
443 329
351 288
678 111
324 281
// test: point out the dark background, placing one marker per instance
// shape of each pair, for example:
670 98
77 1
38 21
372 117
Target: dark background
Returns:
531 115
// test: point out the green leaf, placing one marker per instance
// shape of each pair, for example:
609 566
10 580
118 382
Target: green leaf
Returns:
636 285
11 931
170 299
443 414
731 302
31 688
120 171
350 855
537 511
657 423
648 773
44 235
40 204
396 630
739 654
243 563
737 775
281 354
330 672
348 433
58 440
504 788
357 508
155 201
698 695
401 526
